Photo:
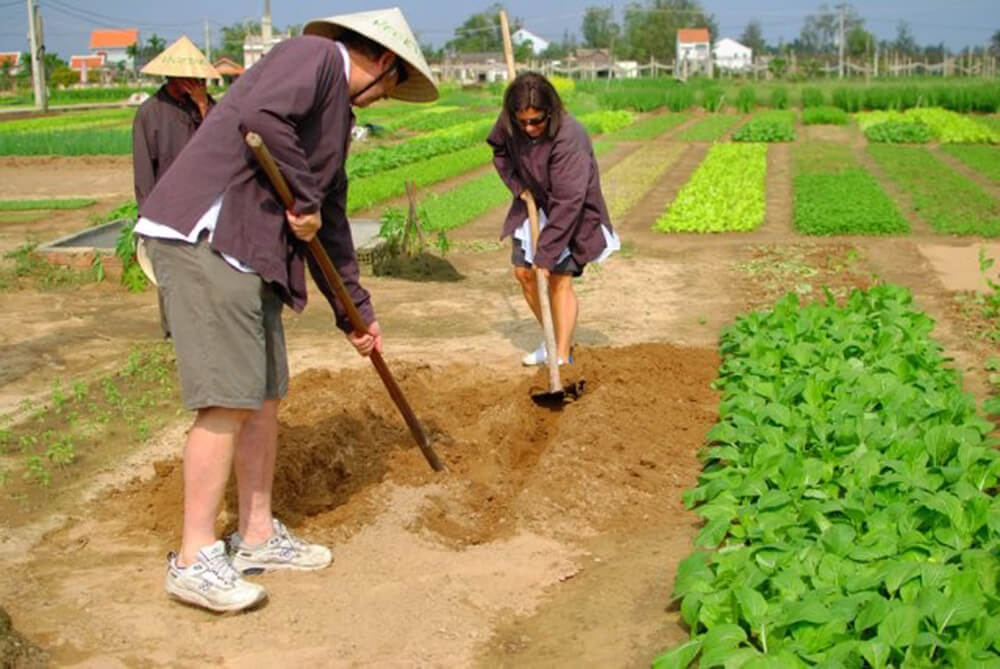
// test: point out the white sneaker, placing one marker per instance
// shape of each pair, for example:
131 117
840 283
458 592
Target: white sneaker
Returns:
211 582
281 551
536 357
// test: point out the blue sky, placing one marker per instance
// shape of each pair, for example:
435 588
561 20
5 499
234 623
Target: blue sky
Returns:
68 22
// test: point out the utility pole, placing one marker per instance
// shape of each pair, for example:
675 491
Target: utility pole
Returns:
208 42
37 56
841 40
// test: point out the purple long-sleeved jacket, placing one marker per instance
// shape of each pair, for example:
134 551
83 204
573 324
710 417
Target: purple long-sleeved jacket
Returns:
563 176
297 99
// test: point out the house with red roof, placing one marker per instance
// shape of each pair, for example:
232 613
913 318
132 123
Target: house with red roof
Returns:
694 51
114 44
12 60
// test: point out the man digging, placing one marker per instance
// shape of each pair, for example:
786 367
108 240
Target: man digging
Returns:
228 257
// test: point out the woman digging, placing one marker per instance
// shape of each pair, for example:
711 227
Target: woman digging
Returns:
538 147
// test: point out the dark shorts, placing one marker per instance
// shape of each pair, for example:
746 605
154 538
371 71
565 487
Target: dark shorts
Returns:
226 326
567 266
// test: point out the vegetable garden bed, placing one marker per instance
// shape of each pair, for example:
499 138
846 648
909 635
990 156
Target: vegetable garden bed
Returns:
947 200
725 193
848 491
834 195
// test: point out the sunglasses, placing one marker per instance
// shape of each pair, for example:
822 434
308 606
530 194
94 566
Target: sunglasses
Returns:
536 121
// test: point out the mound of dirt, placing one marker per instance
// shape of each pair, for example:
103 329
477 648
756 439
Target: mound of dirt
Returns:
421 267
609 460
15 651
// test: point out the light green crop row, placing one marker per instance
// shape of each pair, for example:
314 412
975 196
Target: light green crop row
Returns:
725 193
946 126
626 183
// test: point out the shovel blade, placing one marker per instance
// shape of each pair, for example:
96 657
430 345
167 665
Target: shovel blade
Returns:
557 398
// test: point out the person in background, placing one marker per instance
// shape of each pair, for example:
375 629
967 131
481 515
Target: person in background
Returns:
538 147
229 256
166 122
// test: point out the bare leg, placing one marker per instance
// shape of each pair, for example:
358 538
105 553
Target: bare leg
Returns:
526 277
256 450
565 308
208 460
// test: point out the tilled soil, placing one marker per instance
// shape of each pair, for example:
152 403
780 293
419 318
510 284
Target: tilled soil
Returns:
532 497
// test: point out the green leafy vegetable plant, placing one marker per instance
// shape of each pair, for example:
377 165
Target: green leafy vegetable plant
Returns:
848 498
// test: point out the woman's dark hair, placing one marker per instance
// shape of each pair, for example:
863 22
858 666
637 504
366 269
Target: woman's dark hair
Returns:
531 89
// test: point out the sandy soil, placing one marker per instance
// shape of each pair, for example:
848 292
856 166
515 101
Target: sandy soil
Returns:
552 537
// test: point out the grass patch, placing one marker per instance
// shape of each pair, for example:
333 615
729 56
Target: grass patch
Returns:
650 128
948 201
28 269
9 217
983 159
709 129
29 205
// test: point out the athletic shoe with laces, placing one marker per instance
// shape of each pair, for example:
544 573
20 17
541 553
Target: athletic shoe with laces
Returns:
211 582
536 357
282 551
539 357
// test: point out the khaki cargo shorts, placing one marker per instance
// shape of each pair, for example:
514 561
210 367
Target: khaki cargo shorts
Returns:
226 327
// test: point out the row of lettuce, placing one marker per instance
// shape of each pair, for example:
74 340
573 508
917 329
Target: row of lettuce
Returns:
848 494
835 192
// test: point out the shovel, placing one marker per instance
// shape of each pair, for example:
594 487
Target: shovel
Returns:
333 279
557 394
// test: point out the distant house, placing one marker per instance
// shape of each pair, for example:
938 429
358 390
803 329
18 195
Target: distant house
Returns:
90 62
594 62
12 59
114 44
87 65
732 56
538 44
228 69
694 51
475 67
256 47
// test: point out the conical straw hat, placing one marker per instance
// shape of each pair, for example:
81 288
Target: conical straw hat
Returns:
388 27
182 59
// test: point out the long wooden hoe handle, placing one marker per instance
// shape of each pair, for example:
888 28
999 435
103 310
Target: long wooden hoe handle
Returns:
333 279
541 280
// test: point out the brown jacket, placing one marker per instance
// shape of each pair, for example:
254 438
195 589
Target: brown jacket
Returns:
563 176
162 127
297 99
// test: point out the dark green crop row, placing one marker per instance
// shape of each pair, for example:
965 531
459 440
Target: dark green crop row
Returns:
848 495
947 200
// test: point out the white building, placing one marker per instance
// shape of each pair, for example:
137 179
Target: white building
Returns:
538 44
694 52
256 47
732 56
